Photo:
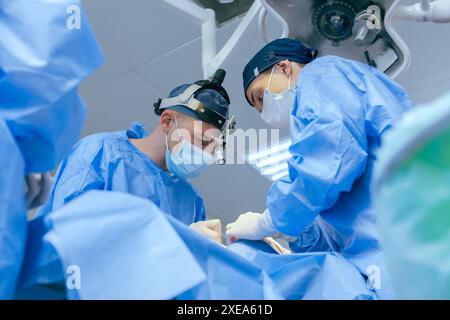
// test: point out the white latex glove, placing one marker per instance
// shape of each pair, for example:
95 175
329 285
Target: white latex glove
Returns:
251 226
211 229
37 189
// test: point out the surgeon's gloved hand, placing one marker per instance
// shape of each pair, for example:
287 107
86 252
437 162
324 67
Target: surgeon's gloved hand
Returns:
37 189
251 226
211 229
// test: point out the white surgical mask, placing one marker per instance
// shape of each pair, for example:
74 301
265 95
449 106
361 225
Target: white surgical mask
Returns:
188 160
277 106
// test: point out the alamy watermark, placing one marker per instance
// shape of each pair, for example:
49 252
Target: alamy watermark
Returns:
73 21
73 280
238 144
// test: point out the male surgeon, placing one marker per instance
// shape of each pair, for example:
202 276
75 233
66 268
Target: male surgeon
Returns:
336 111
154 166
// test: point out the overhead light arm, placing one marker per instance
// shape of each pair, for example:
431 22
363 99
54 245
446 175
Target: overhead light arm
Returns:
211 59
263 22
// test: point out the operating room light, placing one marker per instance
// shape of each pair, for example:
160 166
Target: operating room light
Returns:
271 161
280 175
274 160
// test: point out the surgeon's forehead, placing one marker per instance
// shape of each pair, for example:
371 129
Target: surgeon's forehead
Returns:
254 85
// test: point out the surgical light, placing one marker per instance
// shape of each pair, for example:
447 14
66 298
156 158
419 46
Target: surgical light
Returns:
271 161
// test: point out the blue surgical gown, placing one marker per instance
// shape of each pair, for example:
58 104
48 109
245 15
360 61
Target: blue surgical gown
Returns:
108 245
13 219
126 248
341 110
109 161
42 62
308 276
41 113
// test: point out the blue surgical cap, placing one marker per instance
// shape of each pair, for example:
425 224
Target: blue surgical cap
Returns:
212 99
274 52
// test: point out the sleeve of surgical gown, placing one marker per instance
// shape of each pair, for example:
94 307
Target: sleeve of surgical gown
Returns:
77 184
329 148
76 175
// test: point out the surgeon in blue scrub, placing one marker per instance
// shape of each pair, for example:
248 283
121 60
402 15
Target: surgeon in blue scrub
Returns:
336 111
153 166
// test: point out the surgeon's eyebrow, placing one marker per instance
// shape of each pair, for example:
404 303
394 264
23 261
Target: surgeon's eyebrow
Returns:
255 97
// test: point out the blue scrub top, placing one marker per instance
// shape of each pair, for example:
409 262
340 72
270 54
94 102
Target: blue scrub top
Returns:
109 161
341 110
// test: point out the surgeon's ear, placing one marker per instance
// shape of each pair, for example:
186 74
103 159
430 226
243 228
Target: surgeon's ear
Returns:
285 67
165 120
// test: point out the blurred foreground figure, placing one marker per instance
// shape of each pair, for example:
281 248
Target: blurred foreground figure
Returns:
46 50
412 195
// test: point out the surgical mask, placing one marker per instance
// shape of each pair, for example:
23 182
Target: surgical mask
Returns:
188 160
277 106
